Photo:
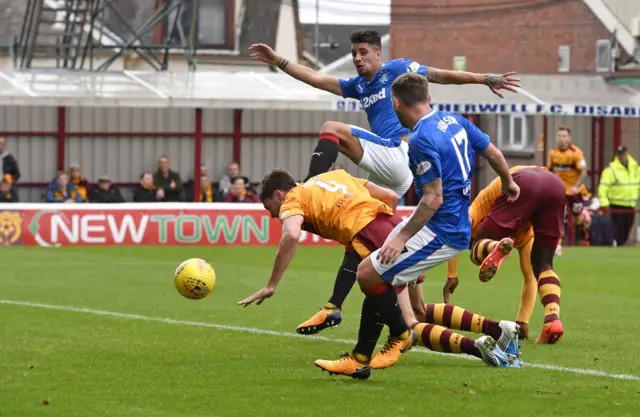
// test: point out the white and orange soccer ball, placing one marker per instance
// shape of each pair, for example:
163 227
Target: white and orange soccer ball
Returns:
195 278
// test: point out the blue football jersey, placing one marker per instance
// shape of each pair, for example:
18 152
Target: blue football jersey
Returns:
444 145
375 96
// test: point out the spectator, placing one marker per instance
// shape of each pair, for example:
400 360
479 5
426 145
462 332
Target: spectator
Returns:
105 192
619 190
7 193
239 192
233 171
81 183
146 192
205 184
208 193
9 163
61 190
169 181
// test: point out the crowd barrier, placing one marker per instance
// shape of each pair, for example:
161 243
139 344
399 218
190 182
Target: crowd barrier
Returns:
53 225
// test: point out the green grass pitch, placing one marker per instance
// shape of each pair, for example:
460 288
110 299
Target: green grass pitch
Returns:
133 364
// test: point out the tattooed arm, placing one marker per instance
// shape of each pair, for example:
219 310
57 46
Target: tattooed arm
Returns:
428 205
493 81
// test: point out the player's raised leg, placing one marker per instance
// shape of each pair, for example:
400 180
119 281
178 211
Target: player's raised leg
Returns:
334 137
490 254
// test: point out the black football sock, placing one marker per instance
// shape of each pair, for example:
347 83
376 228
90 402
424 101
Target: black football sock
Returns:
324 155
387 306
369 332
345 279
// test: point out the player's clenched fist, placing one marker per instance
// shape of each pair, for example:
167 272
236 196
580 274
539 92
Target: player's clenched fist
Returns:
263 52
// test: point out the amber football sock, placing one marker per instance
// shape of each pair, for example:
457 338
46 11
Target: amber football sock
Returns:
439 339
549 290
454 317
481 249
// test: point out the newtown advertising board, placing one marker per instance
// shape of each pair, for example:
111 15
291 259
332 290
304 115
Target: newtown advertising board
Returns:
52 225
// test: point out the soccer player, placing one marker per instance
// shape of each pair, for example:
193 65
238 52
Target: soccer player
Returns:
442 148
534 224
337 206
567 162
382 152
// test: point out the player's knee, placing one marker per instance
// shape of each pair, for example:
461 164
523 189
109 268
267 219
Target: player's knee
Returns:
341 130
367 276
331 127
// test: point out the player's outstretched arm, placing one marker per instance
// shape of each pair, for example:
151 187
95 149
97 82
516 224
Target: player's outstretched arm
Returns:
264 53
499 165
387 196
494 82
429 203
291 230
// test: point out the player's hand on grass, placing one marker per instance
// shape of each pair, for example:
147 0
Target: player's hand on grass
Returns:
502 82
511 190
449 288
260 296
263 52
524 330
391 250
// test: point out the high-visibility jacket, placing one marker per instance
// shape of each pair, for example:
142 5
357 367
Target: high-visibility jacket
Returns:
620 185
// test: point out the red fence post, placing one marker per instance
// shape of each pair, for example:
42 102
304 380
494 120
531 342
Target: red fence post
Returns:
545 146
197 157
62 136
237 135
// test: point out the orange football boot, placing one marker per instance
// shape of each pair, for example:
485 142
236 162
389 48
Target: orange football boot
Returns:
392 350
345 365
327 317
551 334
491 264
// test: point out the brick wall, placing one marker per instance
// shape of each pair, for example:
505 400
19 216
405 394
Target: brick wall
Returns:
520 40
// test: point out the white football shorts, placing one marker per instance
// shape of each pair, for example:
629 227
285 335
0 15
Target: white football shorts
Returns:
423 251
386 160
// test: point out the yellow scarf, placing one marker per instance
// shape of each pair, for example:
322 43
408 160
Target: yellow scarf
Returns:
207 194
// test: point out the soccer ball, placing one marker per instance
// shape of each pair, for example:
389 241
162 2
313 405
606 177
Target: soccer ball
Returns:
195 278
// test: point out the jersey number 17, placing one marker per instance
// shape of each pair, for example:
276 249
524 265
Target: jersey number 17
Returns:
460 144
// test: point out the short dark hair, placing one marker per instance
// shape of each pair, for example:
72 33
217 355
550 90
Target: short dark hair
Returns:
411 88
278 179
240 177
566 129
372 37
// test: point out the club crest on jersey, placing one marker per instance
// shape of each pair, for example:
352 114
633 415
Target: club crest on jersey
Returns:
384 77
360 88
413 67
423 167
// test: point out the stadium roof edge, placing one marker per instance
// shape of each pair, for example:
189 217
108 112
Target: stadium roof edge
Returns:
579 94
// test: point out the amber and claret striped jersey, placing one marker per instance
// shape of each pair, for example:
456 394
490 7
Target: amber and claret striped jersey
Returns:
335 205
482 204
568 164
